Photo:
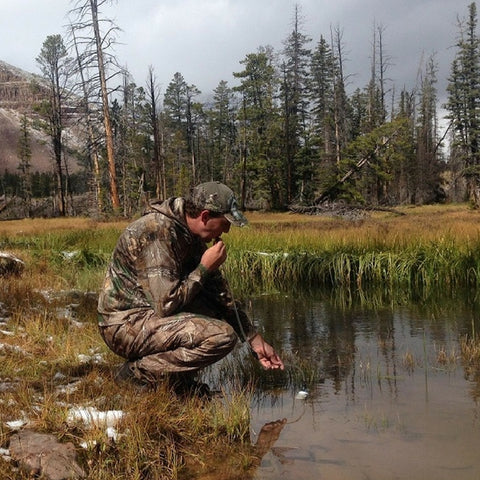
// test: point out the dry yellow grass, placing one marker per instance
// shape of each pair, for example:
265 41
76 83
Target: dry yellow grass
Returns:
39 226
53 365
428 222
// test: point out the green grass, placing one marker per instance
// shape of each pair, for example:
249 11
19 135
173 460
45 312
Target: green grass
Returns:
445 263
424 249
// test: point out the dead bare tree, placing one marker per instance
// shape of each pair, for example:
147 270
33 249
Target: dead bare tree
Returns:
97 53
340 96
158 158
93 153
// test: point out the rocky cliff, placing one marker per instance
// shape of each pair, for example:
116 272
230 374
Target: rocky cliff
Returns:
20 91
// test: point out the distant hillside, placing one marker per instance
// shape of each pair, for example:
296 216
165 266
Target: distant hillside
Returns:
19 92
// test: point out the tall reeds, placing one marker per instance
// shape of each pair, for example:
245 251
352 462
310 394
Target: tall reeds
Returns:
439 265
351 255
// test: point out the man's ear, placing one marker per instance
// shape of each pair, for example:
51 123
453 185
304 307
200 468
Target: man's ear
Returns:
204 216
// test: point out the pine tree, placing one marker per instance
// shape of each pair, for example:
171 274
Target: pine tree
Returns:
223 134
295 72
25 155
259 128
463 102
181 114
54 64
322 99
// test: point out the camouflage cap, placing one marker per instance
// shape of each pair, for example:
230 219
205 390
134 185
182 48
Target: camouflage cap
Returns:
218 198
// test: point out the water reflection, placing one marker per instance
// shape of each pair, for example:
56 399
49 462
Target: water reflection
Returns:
393 399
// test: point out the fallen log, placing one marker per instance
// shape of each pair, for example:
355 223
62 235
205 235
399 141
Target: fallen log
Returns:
340 209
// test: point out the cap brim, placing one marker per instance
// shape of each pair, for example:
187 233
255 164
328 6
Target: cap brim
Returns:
236 218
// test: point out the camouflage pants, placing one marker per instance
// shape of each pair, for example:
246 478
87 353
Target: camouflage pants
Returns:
185 342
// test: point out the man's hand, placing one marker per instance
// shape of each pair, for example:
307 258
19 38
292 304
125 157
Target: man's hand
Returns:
214 256
267 356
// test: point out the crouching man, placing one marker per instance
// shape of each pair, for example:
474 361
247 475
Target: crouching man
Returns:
164 305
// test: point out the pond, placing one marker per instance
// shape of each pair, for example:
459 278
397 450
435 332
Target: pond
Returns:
394 400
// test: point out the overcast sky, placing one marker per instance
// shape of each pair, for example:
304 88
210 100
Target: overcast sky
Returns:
205 40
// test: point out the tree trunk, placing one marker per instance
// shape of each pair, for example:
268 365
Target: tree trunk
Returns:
92 144
152 91
106 111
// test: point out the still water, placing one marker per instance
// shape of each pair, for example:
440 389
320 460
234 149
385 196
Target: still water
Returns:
394 399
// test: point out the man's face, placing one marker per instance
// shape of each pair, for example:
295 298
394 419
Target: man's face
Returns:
214 227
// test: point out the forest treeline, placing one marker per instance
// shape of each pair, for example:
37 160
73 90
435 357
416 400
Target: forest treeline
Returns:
287 134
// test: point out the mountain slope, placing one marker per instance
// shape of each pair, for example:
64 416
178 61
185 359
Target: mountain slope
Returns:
10 121
20 91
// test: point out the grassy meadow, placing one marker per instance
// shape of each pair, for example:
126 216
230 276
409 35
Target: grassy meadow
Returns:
54 361
419 248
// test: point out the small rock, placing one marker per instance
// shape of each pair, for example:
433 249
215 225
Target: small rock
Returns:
10 264
41 454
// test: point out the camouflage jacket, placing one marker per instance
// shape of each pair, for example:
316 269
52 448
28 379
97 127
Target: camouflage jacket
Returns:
155 265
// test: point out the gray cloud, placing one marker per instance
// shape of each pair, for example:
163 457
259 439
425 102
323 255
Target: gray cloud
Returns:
206 39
